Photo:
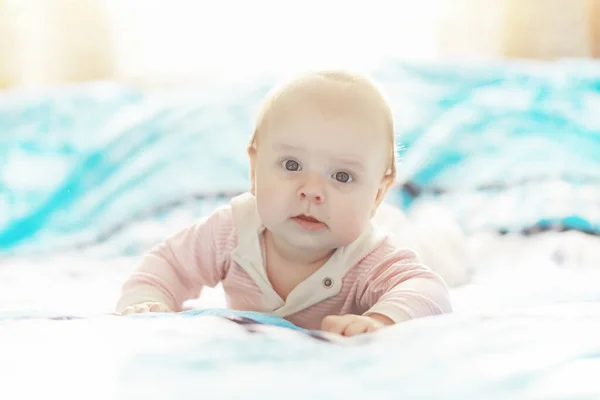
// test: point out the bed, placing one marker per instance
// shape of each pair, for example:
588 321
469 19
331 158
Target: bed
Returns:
92 175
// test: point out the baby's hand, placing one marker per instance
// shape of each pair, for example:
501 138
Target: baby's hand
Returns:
145 308
351 325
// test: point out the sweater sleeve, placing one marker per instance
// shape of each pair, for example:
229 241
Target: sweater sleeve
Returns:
400 288
177 269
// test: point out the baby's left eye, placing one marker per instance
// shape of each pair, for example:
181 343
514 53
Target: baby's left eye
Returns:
342 177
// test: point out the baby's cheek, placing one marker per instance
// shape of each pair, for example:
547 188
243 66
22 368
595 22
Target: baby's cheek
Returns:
266 189
265 203
349 225
270 203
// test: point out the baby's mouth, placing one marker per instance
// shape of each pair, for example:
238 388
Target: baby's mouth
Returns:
308 218
309 222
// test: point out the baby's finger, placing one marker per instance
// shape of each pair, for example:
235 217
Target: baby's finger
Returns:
328 323
135 309
158 307
128 310
335 324
142 308
356 328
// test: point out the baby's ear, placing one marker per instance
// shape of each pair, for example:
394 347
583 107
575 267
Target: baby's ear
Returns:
384 187
252 156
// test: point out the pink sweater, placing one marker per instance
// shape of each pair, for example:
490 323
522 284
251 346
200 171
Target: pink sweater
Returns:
368 276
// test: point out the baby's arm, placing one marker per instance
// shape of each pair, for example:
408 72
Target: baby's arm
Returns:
400 288
397 289
178 268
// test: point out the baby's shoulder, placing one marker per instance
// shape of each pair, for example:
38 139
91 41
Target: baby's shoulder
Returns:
220 218
389 252
234 220
382 255
231 215
385 261
216 229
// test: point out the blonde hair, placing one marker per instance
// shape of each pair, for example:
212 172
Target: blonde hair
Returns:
357 89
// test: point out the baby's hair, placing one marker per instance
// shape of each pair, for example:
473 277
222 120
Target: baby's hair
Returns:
357 87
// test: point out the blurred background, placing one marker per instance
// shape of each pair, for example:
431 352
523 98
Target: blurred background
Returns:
154 42
122 121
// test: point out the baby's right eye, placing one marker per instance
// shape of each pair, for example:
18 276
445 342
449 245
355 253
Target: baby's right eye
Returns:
291 165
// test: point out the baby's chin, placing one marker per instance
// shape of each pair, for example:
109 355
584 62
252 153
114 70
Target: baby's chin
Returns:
324 241
310 241
328 238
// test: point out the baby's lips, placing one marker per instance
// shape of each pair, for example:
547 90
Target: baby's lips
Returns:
307 218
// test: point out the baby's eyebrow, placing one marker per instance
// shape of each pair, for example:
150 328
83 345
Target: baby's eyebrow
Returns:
286 147
351 162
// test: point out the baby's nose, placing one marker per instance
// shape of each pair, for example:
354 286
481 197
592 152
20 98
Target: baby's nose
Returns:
314 197
313 190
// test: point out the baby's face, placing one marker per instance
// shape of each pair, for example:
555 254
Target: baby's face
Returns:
317 177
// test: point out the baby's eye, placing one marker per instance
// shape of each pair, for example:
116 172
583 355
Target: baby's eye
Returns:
291 165
342 177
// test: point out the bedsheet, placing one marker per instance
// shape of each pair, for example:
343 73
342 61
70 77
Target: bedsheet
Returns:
531 354
92 175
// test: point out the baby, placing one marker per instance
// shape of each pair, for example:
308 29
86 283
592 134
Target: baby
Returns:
302 243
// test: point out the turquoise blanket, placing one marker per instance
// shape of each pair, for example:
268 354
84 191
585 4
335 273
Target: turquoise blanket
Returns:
505 147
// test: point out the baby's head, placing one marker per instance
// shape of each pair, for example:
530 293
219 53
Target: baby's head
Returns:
323 150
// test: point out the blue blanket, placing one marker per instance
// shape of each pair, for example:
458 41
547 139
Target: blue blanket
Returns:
505 147
509 147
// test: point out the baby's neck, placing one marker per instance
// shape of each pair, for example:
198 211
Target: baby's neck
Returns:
294 257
